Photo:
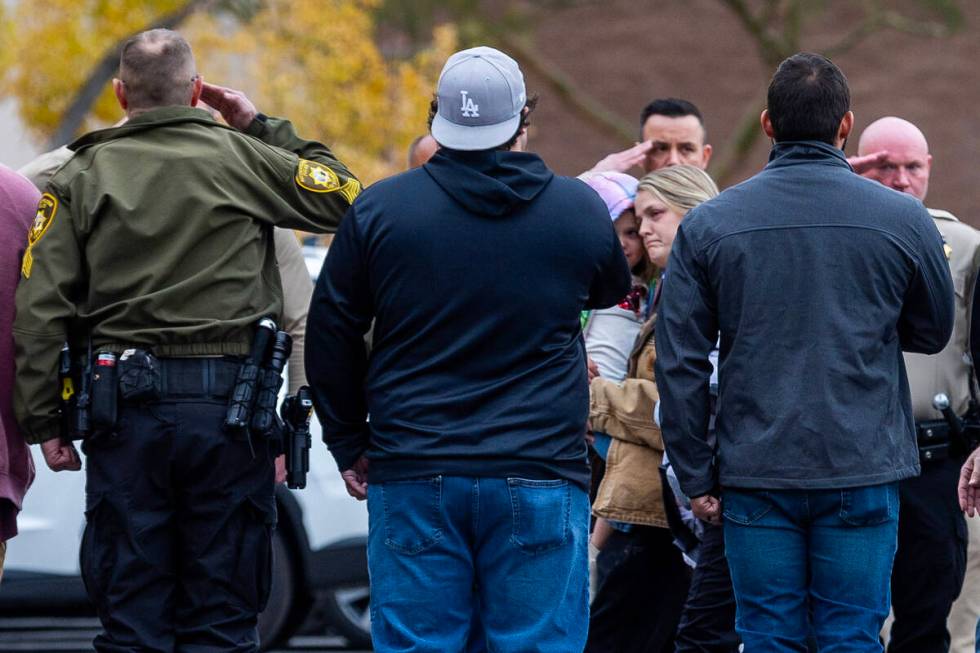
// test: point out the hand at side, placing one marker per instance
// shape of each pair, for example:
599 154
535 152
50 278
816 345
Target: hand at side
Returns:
356 479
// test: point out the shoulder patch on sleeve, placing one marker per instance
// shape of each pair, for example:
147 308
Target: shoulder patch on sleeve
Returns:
316 177
46 209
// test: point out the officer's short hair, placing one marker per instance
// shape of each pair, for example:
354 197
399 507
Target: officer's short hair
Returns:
671 107
158 70
808 97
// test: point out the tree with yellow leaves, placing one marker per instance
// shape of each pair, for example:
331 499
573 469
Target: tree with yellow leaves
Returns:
331 79
316 62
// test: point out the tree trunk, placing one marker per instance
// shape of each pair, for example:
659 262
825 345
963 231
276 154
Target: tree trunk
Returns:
576 98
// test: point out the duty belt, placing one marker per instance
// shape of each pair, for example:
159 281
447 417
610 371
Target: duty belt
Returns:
184 378
933 438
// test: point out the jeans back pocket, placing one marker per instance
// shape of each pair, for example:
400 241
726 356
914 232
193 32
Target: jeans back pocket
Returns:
869 506
413 519
541 512
745 507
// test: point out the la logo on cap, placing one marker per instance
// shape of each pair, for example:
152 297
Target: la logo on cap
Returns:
480 94
470 108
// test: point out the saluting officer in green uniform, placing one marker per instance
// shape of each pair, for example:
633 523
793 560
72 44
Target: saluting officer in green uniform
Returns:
156 237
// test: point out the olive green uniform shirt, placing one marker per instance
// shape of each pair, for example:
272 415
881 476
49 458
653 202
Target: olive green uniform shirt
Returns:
950 371
297 286
158 234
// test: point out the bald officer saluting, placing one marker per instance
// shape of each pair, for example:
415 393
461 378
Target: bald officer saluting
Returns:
932 539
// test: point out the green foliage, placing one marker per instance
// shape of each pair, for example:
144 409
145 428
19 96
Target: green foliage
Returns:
949 11
477 23
416 18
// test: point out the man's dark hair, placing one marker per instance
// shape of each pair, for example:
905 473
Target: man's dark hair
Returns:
672 108
158 70
529 106
808 97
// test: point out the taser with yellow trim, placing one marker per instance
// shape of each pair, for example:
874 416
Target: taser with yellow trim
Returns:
67 389
64 375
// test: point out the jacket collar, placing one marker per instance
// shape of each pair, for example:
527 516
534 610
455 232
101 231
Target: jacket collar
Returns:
642 338
787 153
145 121
939 214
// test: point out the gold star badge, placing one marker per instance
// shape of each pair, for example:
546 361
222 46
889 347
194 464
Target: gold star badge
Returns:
316 177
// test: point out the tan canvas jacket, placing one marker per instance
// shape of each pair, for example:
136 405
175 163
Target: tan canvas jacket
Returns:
630 490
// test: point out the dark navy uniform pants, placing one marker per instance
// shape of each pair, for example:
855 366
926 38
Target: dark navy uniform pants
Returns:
931 559
176 553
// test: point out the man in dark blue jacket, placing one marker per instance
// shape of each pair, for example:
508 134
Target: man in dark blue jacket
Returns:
474 268
817 280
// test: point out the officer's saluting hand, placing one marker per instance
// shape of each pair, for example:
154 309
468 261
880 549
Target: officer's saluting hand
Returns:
236 109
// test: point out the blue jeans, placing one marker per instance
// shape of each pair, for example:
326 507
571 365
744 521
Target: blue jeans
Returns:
444 550
815 561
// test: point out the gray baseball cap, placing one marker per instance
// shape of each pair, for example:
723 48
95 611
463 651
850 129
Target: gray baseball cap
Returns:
481 96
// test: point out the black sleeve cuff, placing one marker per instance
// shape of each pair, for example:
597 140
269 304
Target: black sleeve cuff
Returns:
348 449
258 125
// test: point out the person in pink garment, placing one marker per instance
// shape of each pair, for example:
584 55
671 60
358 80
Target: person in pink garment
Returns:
18 204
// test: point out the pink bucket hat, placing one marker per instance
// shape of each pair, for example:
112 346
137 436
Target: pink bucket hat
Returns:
617 190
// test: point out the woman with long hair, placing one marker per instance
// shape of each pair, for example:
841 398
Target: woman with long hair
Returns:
644 580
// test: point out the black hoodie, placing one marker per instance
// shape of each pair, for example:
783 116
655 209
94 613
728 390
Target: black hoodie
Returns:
475 269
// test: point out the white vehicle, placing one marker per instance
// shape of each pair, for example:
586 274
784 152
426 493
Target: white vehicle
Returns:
319 547
314 255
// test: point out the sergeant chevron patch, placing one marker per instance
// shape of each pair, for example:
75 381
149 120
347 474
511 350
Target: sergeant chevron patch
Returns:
350 190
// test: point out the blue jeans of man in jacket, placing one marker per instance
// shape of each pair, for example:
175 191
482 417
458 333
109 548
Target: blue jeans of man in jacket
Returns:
815 561
513 552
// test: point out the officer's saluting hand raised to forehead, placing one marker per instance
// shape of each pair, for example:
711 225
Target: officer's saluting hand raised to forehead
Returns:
154 244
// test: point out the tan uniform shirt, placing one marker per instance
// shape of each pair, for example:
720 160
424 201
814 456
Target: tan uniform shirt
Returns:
950 370
297 289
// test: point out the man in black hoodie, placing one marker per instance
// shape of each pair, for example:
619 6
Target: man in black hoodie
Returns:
474 268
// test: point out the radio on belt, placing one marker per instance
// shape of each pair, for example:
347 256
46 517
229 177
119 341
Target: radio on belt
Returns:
105 387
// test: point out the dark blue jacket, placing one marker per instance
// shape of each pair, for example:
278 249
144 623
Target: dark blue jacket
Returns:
817 279
474 269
